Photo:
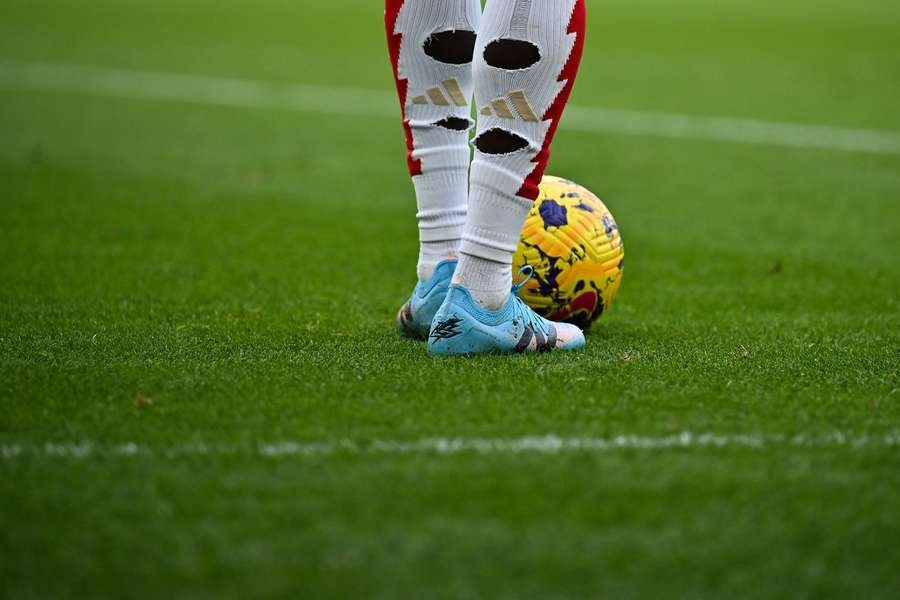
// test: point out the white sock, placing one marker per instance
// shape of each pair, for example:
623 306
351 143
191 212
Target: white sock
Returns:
435 88
484 279
431 253
442 198
490 239
519 107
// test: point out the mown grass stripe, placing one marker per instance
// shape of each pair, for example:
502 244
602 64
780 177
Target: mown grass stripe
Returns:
243 93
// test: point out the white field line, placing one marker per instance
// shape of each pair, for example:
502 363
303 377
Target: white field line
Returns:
243 93
547 444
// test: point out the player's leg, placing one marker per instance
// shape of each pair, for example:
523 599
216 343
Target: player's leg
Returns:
431 44
526 59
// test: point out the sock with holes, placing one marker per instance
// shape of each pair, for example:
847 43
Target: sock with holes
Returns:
526 58
431 45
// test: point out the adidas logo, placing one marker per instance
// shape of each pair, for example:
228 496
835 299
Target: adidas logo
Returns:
450 91
502 109
436 95
542 343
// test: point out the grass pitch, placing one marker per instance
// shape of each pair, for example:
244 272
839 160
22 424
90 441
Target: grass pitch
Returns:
202 394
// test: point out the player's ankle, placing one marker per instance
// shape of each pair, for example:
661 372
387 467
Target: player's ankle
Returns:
488 281
432 253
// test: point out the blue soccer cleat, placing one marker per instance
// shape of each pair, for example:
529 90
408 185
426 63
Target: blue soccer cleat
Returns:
462 326
415 317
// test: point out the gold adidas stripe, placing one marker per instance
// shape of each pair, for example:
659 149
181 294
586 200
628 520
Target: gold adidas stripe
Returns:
437 97
456 93
501 108
420 100
486 111
523 107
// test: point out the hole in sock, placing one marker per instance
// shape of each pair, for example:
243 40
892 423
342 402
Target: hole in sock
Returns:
451 47
454 123
498 141
511 54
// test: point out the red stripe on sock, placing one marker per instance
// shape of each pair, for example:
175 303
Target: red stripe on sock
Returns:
577 25
391 13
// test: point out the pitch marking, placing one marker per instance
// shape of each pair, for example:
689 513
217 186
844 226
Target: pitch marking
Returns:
146 85
547 444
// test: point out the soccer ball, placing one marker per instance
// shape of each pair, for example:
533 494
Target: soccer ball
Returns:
572 242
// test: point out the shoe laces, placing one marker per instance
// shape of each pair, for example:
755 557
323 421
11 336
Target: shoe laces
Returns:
528 272
522 310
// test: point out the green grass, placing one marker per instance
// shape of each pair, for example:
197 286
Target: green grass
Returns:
241 269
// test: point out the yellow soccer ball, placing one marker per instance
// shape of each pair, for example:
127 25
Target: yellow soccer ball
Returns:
572 242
